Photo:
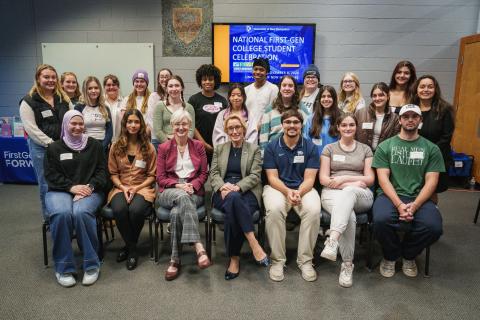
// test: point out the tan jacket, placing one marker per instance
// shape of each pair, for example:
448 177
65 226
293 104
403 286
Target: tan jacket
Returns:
250 163
134 174
390 125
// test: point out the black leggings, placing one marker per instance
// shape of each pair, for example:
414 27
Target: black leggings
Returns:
130 217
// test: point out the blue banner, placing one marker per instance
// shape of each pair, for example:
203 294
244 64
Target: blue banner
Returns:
15 162
289 48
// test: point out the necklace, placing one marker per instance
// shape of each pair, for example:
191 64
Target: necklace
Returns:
236 151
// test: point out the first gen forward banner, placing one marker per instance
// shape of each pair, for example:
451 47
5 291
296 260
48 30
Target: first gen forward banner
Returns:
289 48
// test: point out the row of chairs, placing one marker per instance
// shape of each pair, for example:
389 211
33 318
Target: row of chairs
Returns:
157 218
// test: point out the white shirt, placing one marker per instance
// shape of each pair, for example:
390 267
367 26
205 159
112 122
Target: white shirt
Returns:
152 103
116 112
377 129
259 99
184 166
94 122
309 101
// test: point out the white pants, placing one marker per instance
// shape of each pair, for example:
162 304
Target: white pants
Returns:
342 205
276 209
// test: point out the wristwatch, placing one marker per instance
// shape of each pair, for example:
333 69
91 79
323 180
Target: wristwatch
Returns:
90 186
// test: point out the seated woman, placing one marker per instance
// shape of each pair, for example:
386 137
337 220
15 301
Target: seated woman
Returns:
181 174
132 165
346 173
237 106
377 122
320 125
236 182
76 175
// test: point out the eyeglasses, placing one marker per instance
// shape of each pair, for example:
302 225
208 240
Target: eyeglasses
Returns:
234 128
348 81
181 124
290 122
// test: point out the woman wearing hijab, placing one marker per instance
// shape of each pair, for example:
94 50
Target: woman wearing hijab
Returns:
75 171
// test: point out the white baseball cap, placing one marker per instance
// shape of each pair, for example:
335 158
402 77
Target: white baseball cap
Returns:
410 107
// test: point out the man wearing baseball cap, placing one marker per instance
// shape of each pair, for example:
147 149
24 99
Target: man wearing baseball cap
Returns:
261 93
408 167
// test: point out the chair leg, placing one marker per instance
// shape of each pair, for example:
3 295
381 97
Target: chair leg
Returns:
370 248
427 262
45 249
105 229
150 236
155 249
100 239
214 232
112 230
207 237
477 213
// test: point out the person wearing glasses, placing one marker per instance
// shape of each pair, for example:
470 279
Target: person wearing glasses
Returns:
291 163
408 166
350 97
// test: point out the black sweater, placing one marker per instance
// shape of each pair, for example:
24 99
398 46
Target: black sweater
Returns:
65 167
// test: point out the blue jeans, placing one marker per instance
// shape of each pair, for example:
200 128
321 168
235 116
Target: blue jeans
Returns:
68 218
37 153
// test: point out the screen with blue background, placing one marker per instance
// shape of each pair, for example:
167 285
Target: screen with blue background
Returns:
289 48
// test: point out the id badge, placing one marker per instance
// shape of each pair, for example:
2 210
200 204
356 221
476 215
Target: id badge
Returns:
47 113
66 156
299 159
339 158
140 164
416 155
367 125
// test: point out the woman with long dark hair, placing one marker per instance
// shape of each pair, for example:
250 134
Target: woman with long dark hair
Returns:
401 83
132 165
162 77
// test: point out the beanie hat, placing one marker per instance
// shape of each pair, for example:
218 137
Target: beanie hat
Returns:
140 74
262 62
312 70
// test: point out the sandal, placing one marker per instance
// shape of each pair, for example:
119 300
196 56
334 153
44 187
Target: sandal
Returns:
206 263
172 275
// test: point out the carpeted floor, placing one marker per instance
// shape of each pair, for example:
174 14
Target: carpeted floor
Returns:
29 291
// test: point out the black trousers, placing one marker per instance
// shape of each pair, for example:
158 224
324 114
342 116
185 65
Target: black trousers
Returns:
130 217
238 209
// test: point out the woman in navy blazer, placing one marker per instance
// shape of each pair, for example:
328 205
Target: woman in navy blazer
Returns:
181 174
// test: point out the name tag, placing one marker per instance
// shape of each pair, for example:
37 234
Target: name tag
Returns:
317 141
339 157
140 164
66 156
298 159
416 155
420 125
367 125
218 104
47 113
458 164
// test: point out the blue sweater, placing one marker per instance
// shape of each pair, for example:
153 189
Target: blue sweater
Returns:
324 138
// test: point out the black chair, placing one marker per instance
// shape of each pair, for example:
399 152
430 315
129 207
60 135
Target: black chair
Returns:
106 216
216 217
163 216
477 213
46 228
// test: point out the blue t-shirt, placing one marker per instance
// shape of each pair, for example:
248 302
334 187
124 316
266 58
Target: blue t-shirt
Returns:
291 163
324 138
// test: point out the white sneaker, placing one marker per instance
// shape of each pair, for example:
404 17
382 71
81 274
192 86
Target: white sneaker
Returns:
387 268
346 275
409 268
90 276
65 279
276 272
308 272
330 250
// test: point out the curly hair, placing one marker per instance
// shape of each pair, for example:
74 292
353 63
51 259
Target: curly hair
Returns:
206 71
120 147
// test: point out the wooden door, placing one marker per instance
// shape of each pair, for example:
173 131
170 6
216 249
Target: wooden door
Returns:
466 138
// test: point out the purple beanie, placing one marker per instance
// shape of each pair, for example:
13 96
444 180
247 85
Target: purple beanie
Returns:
140 74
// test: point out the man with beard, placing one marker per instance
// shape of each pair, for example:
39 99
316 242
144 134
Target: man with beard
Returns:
291 163
408 167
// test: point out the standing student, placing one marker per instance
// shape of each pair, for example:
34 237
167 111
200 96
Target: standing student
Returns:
70 86
346 175
401 85
207 104
113 100
262 92
162 77
377 122
96 116
42 111
438 122
310 90
287 99
76 175
236 106
164 110
139 97
320 126
350 97
132 165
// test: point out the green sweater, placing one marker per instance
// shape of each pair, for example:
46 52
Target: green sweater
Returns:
161 121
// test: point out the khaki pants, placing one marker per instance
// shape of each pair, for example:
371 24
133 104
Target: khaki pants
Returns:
277 207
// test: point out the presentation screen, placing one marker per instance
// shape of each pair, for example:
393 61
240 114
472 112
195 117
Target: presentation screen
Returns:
290 48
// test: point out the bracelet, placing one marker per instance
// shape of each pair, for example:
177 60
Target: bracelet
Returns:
398 205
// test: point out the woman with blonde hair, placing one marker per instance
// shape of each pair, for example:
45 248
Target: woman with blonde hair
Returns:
350 97
69 83
42 111
97 117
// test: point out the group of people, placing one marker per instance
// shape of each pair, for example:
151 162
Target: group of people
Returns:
318 149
